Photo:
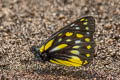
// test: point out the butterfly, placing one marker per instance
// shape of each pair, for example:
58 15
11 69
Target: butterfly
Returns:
73 45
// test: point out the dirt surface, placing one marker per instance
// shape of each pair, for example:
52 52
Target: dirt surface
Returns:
24 23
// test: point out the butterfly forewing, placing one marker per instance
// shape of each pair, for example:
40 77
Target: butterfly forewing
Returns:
73 45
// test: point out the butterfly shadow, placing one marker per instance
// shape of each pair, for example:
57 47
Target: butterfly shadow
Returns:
67 72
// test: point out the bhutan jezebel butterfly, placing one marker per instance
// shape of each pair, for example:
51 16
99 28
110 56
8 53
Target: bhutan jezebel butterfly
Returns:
73 45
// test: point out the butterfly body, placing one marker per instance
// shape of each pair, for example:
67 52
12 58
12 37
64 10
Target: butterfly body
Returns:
73 45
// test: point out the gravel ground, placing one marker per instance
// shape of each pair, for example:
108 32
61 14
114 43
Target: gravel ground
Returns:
24 23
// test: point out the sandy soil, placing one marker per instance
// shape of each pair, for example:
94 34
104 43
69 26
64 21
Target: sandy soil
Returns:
24 23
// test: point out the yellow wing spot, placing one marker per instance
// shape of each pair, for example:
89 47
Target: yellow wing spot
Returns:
89 46
88 33
42 48
76 60
86 28
49 44
72 25
60 34
59 47
75 47
67 63
62 46
88 55
74 52
77 41
77 28
85 62
68 40
86 19
85 23
69 34
87 39
79 35
59 40
52 61
82 19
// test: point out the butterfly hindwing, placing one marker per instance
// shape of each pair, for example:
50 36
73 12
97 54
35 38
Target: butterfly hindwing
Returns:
73 45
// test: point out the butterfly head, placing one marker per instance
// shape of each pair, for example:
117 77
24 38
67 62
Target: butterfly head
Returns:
42 57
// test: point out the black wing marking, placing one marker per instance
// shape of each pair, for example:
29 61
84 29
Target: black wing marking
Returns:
77 23
77 26
65 53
